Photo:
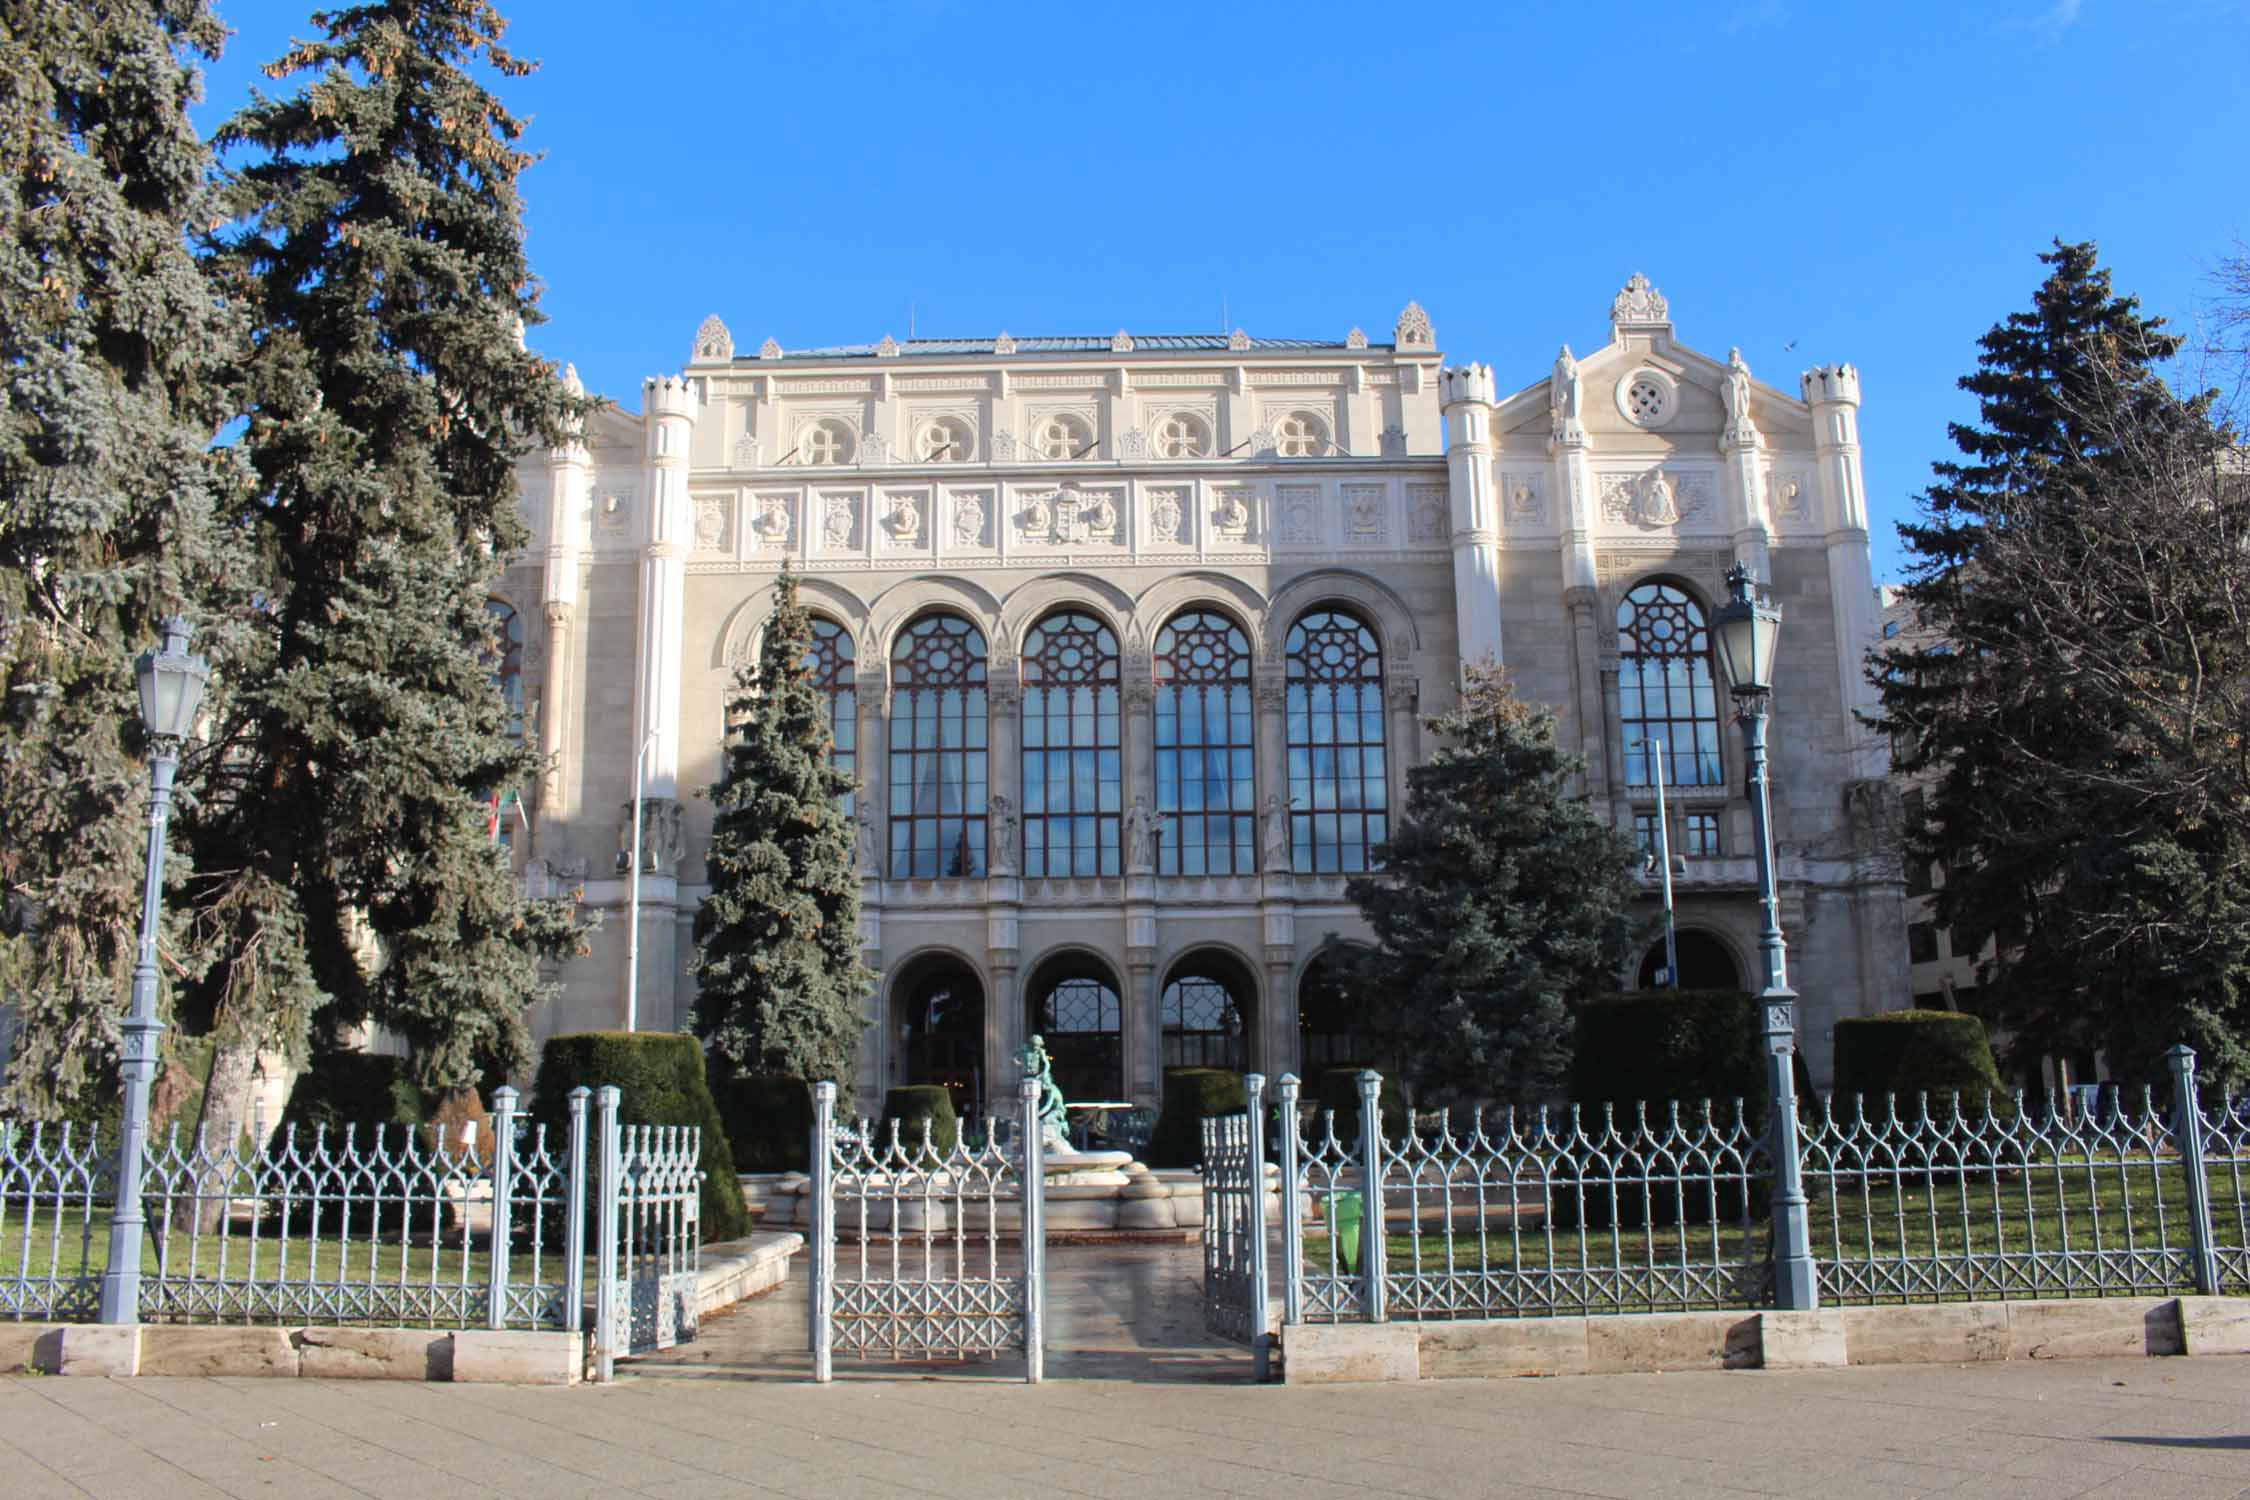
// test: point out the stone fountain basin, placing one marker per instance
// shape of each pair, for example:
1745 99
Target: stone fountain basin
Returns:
1092 1193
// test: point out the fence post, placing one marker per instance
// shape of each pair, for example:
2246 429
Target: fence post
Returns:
605 1231
823 1259
1374 1293
503 1185
1034 1235
574 1216
1254 1092
1292 1208
2187 1134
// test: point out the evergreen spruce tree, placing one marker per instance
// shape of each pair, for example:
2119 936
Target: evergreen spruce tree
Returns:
111 345
345 868
1502 900
779 980
2076 709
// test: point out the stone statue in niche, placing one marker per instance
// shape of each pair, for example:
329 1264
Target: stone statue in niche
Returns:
1563 395
1273 821
1142 825
868 862
1233 516
1000 813
905 519
1737 394
1658 506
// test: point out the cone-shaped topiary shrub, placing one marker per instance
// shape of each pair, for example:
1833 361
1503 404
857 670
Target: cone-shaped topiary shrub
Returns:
659 1077
1190 1094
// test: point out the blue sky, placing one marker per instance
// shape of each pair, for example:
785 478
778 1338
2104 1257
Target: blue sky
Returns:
1868 182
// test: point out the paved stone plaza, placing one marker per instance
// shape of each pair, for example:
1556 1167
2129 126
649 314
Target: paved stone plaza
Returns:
1139 1406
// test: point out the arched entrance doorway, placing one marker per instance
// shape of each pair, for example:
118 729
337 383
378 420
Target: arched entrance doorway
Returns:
1206 1010
1705 963
939 1004
1072 1002
1329 1031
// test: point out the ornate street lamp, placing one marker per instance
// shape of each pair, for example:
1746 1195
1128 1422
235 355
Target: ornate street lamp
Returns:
1745 632
171 683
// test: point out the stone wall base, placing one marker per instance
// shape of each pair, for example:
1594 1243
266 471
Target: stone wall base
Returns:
470 1355
1942 1333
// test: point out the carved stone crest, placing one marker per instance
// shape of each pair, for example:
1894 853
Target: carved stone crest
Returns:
1654 500
1363 512
1639 302
1786 496
1427 506
1393 441
1164 515
839 512
1413 331
712 341
1522 503
711 524
1300 515
968 520
746 452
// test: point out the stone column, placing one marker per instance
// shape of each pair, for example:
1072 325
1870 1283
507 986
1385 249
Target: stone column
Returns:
570 482
1832 391
1277 1017
1003 763
1402 692
1004 1029
1143 1023
1467 393
1574 484
871 682
1270 694
668 410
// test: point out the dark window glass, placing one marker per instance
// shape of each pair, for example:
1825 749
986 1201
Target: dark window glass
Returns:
1205 780
506 660
1072 766
1664 688
1338 788
1079 1019
1202 1023
937 750
832 669
1921 942
1328 1030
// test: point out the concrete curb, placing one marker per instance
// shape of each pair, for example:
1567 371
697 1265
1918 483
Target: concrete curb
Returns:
470 1355
737 1269
1940 1333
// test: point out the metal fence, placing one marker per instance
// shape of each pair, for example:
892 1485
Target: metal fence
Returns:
1668 1207
381 1226
922 1248
1234 1226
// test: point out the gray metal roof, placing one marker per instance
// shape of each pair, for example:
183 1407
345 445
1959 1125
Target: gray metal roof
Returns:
1143 343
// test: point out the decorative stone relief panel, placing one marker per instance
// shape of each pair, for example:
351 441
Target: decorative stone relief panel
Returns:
1234 515
1366 514
614 506
1061 433
1426 514
1170 519
972 519
1789 496
1655 499
714 523
1523 499
1297 511
1393 441
905 520
1071 517
770 519
747 452
839 521
825 438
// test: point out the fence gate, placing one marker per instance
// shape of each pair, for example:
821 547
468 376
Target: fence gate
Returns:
921 1253
1234 1226
650 1195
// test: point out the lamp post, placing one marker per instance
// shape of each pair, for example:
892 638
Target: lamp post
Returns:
171 683
1664 859
633 934
1745 631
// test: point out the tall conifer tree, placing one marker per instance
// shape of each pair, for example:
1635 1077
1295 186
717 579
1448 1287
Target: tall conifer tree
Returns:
779 980
111 345
1502 899
348 873
2077 708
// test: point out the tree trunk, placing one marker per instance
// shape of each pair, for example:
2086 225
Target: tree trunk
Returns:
225 1124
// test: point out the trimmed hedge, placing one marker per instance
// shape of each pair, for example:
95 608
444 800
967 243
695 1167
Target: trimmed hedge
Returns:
1191 1095
769 1118
1944 1054
926 1121
1338 1089
659 1076
362 1089
1667 1044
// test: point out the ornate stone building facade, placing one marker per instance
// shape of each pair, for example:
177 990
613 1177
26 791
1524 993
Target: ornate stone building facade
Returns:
1129 641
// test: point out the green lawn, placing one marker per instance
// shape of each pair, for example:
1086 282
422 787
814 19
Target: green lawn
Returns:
2026 1232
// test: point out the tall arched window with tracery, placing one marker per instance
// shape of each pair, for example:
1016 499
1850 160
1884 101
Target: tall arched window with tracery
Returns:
1339 796
1206 786
1072 772
937 779
834 670
1664 688
507 660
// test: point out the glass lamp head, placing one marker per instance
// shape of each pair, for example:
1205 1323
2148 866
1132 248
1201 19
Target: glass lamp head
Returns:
171 683
1745 631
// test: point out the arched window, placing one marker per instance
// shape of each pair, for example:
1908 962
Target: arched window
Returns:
937 750
1328 1030
506 660
834 672
1078 1015
1072 778
1338 787
1205 784
1664 688
1205 1008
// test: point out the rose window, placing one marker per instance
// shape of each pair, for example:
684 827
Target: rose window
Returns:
826 443
1301 435
944 441
1182 436
1646 402
1062 437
